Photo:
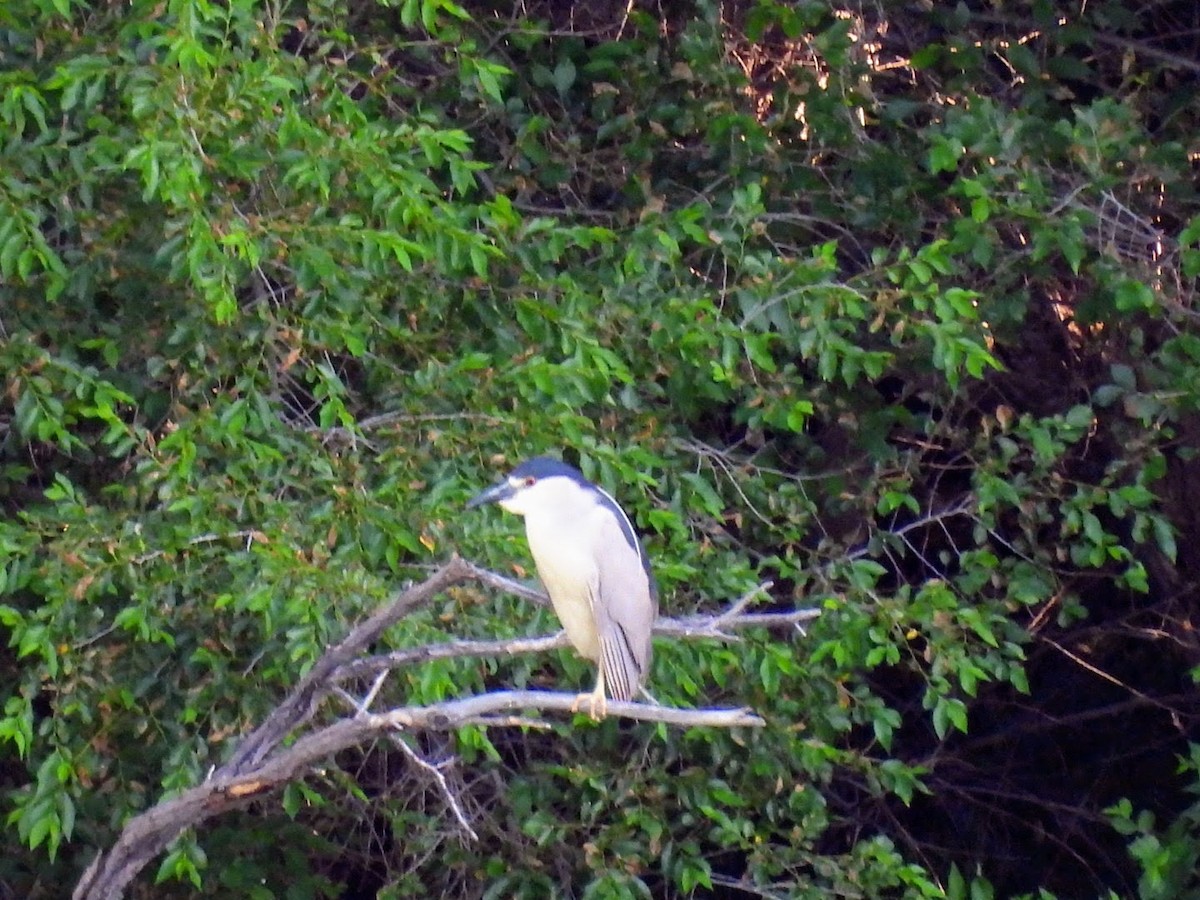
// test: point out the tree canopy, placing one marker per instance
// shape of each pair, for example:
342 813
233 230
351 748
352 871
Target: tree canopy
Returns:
891 305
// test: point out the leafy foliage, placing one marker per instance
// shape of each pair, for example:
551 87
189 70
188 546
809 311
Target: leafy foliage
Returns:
892 306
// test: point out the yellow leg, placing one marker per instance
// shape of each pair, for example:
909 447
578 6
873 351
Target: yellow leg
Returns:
596 701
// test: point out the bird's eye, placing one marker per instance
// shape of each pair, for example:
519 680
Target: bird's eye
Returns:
530 481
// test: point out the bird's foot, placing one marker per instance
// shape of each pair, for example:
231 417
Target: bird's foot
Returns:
596 702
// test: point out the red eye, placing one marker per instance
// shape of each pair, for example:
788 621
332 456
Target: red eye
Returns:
530 481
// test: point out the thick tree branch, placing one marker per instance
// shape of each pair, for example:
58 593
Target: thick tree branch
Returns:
262 763
298 705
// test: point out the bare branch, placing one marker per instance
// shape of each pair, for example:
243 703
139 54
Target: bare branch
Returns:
263 763
298 706
258 765
714 627
742 602
151 832
472 710
509 585
434 770
448 650
706 626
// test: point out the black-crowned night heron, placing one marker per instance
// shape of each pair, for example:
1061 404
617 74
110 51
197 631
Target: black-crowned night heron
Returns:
594 569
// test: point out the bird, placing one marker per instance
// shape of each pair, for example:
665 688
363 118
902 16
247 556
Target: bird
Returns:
594 568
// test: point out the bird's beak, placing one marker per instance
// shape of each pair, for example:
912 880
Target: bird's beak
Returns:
494 494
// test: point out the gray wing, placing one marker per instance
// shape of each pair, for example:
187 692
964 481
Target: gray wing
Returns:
625 607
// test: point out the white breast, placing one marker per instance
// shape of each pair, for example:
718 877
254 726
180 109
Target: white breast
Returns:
562 549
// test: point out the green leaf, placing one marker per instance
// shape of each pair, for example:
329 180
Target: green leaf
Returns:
948 713
944 155
292 800
799 414
1131 295
1023 60
1080 416
46 830
710 500
564 76
974 619
1164 536
489 82
926 57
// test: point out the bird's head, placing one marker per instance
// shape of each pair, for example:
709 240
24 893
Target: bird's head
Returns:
536 484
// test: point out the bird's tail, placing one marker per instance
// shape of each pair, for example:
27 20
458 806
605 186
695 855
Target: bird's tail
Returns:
623 667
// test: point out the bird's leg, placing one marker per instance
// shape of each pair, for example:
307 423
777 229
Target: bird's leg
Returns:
596 701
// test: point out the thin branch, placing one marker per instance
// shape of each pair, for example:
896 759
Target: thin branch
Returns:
713 627
934 516
701 626
695 626
250 534
508 585
701 449
385 662
1100 673
374 691
435 772
742 602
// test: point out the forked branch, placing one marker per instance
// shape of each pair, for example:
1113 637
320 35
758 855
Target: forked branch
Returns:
263 762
